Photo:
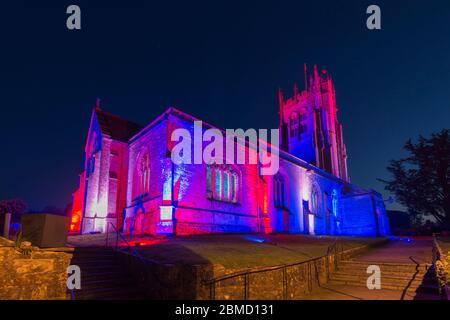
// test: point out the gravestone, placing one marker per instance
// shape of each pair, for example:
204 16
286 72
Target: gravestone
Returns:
2 223
7 224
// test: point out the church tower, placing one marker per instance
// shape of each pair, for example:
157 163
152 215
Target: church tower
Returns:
309 125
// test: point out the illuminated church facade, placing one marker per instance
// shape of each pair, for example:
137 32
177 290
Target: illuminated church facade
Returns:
130 181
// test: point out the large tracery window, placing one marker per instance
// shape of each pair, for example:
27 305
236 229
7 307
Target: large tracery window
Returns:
223 183
142 176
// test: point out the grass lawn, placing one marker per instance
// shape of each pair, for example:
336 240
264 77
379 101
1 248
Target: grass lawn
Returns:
244 251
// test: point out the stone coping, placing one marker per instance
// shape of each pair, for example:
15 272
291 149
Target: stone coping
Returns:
6 243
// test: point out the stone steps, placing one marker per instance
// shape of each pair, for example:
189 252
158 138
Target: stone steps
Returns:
384 276
397 267
394 276
104 277
387 282
109 292
431 289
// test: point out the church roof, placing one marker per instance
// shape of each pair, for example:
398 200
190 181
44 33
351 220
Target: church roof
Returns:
117 128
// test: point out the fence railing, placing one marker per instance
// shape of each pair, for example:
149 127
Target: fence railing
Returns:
334 251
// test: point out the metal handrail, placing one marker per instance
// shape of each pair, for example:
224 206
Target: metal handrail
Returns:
132 251
130 248
257 270
332 247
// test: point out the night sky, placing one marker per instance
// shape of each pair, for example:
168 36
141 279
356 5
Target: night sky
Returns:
221 61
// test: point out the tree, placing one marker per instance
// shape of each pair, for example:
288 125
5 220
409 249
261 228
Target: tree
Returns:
13 206
421 181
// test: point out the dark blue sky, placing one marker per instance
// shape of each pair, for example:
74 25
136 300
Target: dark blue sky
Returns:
219 60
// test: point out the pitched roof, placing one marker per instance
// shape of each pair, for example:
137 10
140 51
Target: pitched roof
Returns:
116 127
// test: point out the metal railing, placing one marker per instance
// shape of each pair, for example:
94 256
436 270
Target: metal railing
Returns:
121 245
120 239
335 250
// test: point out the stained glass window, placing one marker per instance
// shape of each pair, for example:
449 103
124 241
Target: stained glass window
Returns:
222 183
226 185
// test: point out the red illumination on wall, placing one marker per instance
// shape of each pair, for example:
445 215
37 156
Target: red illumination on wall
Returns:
77 208
75 223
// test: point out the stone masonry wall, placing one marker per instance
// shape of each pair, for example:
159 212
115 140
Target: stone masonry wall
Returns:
38 275
359 216
193 282
281 283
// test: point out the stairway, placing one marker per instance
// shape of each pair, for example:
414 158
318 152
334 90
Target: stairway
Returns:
416 279
103 277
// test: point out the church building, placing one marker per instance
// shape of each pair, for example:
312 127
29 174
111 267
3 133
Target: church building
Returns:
130 183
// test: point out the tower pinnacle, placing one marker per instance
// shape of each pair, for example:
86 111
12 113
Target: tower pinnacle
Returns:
98 103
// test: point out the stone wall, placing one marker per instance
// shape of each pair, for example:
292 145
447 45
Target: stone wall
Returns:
359 215
168 281
290 282
193 282
153 141
31 273
439 262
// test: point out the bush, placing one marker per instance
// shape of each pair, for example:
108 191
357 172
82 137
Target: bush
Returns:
443 269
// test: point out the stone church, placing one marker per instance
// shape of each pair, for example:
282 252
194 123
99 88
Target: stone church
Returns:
130 182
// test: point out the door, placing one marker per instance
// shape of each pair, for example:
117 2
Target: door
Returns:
305 217
285 221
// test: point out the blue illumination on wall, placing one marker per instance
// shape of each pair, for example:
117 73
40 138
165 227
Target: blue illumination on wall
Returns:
255 239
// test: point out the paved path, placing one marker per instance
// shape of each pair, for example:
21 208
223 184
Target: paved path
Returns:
402 252
410 252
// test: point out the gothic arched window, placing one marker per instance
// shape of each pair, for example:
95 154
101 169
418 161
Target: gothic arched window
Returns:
315 202
234 187
142 175
222 183
334 200
279 192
